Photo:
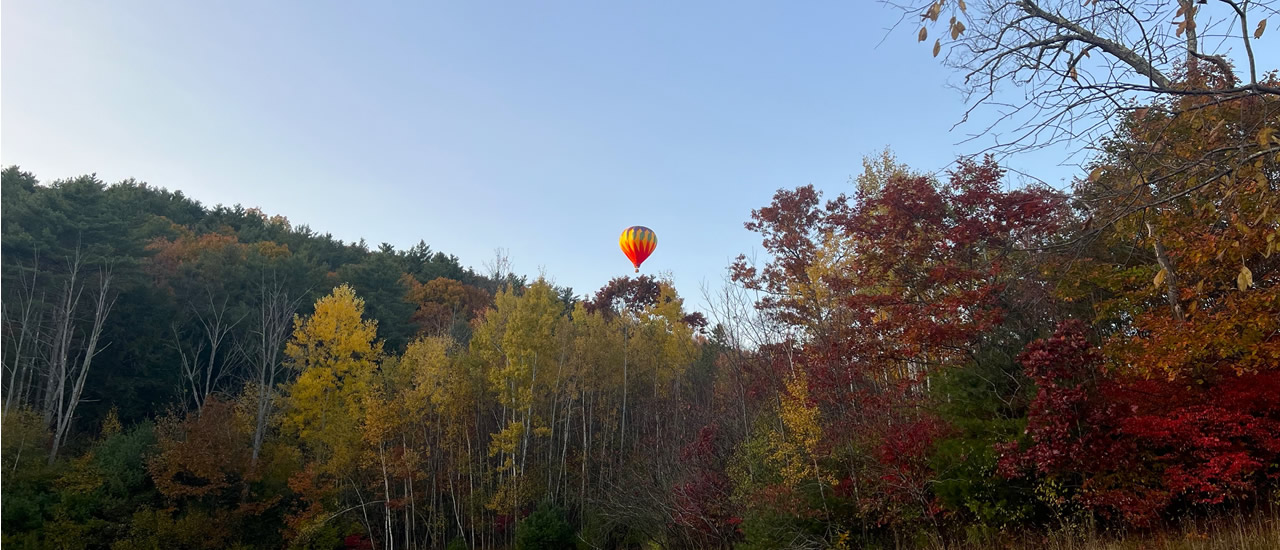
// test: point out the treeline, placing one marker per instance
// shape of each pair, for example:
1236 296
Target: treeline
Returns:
926 360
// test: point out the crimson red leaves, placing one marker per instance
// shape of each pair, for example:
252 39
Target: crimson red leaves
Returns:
912 278
1137 447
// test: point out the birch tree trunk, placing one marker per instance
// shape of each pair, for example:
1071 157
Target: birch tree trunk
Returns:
275 313
23 333
70 376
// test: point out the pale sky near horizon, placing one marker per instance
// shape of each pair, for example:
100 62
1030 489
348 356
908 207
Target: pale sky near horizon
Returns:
542 129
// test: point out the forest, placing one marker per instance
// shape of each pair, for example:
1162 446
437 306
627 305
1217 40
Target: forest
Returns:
964 359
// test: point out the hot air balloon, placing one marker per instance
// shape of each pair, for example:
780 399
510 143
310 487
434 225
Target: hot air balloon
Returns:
637 243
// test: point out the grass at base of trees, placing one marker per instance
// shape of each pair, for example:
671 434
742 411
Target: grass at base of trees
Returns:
1237 532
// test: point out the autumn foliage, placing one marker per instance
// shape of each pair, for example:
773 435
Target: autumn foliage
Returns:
923 360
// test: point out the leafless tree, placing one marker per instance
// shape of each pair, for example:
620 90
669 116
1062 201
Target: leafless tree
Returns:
499 271
745 332
273 319
1079 62
202 365
1081 67
21 315
71 353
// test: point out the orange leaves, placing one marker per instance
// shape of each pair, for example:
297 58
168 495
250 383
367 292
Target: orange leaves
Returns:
955 27
1187 23
187 250
200 454
442 302
1192 168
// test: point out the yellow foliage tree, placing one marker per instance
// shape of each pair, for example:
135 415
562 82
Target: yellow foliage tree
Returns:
671 338
795 449
518 343
335 352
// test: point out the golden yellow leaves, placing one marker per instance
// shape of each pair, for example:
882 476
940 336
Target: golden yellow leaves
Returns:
1266 136
1160 277
336 352
381 417
1245 279
842 540
1262 26
516 338
795 449
1095 174
272 250
1262 182
432 370
111 425
335 334
507 440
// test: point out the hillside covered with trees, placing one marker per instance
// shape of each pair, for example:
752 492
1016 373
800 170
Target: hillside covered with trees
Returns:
965 359
919 359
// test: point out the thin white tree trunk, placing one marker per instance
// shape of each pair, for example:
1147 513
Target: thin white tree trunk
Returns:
386 503
274 316
27 333
67 406
622 445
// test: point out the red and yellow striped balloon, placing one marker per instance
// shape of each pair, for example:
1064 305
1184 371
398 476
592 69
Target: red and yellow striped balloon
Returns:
637 243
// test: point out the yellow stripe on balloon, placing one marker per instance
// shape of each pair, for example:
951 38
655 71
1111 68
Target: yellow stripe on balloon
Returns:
638 242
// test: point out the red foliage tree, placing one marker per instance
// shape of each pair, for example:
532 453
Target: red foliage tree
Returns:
1134 448
702 501
884 288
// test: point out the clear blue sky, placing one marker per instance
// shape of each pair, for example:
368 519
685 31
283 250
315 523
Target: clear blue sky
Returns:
541 127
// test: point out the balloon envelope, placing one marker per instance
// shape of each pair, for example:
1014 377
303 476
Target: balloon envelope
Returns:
637 243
